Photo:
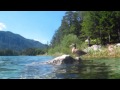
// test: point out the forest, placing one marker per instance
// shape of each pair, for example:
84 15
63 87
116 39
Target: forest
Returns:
100 27
28 52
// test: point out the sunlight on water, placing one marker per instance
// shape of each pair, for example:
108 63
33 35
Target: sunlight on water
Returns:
34 67
15 67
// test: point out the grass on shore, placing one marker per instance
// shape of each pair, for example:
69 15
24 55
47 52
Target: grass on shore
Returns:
104 53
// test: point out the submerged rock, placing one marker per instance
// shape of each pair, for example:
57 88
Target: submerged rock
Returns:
64 59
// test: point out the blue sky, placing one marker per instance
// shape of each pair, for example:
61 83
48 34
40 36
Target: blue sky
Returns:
37 25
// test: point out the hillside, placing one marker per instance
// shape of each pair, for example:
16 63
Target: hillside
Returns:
9 40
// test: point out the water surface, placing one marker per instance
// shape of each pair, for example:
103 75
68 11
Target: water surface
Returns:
33 67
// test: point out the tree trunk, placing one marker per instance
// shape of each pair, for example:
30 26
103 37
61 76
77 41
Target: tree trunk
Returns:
119 35
100 37
96 41
109 38
88 41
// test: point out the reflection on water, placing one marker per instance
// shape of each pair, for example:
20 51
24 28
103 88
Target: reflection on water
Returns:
89 69
84 71
33 67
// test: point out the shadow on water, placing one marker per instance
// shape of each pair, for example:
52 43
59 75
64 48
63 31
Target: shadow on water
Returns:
87 69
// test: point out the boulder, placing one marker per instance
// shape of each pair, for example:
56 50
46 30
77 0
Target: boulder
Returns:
64 59
117 45
93 47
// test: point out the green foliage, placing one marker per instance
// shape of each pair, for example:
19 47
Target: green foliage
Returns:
8 52
67 41
102 27
64 47
33 51
29 51
54 50
71 24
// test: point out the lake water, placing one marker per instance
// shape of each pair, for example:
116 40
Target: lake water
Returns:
33 67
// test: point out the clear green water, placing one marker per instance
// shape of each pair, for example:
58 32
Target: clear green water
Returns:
33 67
92 69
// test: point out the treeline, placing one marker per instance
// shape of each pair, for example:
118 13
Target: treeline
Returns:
8 52
29 52
101 27
33 51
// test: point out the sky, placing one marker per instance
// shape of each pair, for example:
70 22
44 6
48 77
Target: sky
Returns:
36 25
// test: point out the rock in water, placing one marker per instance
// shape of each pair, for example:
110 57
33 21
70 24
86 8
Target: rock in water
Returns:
64 59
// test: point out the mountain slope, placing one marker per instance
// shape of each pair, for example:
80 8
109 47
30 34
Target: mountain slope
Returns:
9 40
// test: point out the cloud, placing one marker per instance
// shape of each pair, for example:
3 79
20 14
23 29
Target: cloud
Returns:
2 26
